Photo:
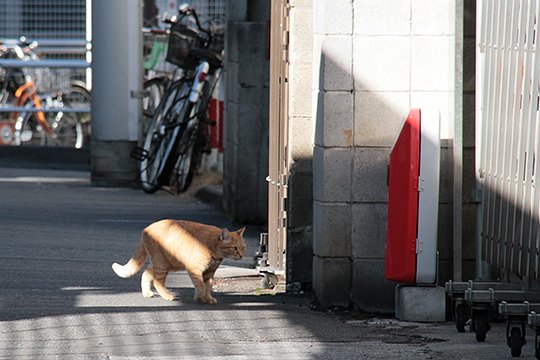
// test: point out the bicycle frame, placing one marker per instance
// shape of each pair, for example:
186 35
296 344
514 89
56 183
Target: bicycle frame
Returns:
25 93
196 88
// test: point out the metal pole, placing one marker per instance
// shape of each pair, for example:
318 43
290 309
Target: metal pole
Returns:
458 142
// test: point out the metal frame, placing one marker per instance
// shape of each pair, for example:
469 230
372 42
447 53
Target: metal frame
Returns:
510 136
278 139
507 151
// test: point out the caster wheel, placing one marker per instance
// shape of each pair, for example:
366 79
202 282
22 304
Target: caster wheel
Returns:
516 341
481 326
460 318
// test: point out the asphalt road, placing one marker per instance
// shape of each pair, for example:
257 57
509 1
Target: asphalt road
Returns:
59 298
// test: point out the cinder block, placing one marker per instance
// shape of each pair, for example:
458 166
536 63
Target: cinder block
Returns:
331 229
433 17
300 200
333 17
370 174
335 119
371 292
301 144
299 259
379 117
382 63
302 3
301 33
423 304
382 17
332 174
300 103
369 230
331 281
432 70
333 55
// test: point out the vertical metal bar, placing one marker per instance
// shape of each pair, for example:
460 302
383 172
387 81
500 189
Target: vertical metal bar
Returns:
530 111
528 207
511 124
479 106
487 126
502 101
520 146
515 52
458 145
273 130
493 118
485 121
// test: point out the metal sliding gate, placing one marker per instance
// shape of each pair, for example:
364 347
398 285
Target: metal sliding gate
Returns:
507 150
509 141
278 139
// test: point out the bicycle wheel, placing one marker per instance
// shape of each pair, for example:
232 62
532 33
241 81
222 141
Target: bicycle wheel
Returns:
153 91
61 128
160 139
79 96
67 129
28 131
184 169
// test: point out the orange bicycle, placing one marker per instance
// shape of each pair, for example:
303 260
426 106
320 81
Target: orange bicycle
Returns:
43 119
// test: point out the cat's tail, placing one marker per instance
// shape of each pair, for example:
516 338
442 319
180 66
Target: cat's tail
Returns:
134 264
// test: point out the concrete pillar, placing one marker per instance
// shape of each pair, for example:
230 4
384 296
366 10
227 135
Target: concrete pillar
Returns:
245 160
117 72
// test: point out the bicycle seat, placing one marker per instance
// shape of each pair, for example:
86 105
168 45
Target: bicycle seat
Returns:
208 55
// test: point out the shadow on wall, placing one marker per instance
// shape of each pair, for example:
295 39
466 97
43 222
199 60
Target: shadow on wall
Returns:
355 130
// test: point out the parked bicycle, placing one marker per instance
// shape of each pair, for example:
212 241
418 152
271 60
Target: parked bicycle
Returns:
177 134
32 126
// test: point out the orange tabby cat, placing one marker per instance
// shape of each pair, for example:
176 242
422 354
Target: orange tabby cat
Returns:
182 245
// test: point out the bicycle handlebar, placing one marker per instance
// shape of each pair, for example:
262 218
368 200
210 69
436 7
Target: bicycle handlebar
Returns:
20 47
185 10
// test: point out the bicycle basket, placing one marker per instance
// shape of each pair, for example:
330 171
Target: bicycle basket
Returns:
181 40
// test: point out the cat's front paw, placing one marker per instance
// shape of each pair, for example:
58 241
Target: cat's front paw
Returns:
148 294
169 297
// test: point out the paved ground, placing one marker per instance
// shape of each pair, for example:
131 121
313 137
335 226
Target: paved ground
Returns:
59 298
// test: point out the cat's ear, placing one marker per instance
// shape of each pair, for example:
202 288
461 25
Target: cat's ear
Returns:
224 235
241 231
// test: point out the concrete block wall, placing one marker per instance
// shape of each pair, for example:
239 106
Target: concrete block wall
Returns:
373 61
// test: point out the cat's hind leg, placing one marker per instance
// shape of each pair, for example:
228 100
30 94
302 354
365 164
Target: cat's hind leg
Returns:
159 284
147 280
